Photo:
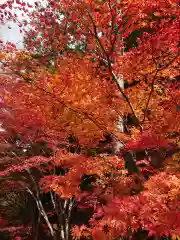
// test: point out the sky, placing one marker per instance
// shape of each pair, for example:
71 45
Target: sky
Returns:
10 31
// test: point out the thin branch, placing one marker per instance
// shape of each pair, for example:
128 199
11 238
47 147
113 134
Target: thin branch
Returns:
169 63
39 203
59 216
96 35
113 20
127 100
114 77
158 69
117 30
150 94
68 216
41 210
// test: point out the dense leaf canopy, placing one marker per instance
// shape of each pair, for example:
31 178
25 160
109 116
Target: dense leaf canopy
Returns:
91 111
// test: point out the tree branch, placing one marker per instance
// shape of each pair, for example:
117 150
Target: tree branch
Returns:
59 216
158 69
39 203
112 73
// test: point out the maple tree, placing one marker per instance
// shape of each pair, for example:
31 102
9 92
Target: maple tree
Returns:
94 100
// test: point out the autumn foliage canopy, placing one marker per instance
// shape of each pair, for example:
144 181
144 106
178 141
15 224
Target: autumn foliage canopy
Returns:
91 115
